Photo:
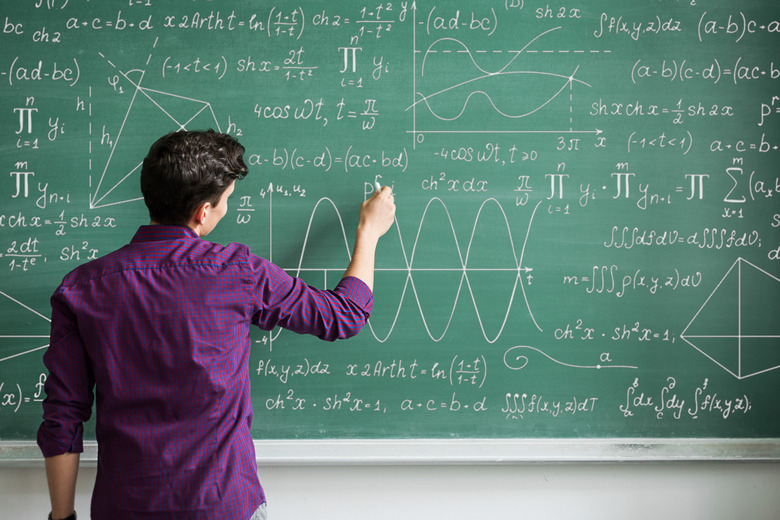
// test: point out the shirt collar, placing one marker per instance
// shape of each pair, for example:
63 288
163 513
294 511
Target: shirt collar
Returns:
157 232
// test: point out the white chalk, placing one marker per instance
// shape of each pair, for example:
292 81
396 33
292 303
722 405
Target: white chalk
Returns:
377 186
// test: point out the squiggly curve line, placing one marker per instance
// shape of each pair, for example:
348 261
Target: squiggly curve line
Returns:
524 360
569 81
517 53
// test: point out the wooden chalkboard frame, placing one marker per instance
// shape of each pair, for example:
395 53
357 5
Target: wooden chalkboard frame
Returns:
376 452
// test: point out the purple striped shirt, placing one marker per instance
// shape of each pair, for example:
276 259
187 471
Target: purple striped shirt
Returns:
160 330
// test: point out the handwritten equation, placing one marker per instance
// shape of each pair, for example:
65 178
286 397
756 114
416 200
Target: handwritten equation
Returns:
587 237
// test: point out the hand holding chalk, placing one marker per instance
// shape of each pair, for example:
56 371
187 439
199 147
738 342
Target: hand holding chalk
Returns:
378 212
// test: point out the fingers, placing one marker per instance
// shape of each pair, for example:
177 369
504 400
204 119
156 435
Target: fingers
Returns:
378 212
387 194
385 191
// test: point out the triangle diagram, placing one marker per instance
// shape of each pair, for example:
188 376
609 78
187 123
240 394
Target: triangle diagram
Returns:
24 330
151 114
737 327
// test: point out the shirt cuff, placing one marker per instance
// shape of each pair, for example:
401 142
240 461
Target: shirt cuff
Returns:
53 440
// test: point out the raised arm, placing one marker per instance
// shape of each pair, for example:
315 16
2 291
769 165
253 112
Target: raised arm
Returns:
377 214
290 303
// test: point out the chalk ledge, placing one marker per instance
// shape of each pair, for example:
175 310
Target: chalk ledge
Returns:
465 451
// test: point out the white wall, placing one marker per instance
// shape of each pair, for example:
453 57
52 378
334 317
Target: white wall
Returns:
635 491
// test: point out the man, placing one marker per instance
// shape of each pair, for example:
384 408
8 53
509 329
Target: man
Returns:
160 330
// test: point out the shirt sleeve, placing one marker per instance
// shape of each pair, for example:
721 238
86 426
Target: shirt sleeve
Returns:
69 394
290 303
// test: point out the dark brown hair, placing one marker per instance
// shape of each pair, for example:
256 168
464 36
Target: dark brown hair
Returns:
187 168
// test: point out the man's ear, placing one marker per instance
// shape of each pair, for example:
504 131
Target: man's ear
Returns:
201 212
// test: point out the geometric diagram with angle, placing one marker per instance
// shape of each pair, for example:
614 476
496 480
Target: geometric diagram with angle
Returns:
24 330
737 327
149 109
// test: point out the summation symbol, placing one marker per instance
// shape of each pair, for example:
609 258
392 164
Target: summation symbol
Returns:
148 109
463 269
735 327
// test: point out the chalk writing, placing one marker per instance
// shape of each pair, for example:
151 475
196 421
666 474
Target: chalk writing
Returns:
586 201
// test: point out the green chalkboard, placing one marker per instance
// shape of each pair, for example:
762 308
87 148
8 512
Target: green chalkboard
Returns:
587 242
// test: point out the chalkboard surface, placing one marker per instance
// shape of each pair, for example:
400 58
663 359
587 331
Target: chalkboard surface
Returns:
587 242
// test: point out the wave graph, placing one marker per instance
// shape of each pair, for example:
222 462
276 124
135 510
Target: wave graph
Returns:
459 89
462 270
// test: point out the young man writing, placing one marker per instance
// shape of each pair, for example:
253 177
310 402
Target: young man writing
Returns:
158 332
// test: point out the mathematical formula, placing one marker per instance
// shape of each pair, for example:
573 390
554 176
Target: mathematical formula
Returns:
586 197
